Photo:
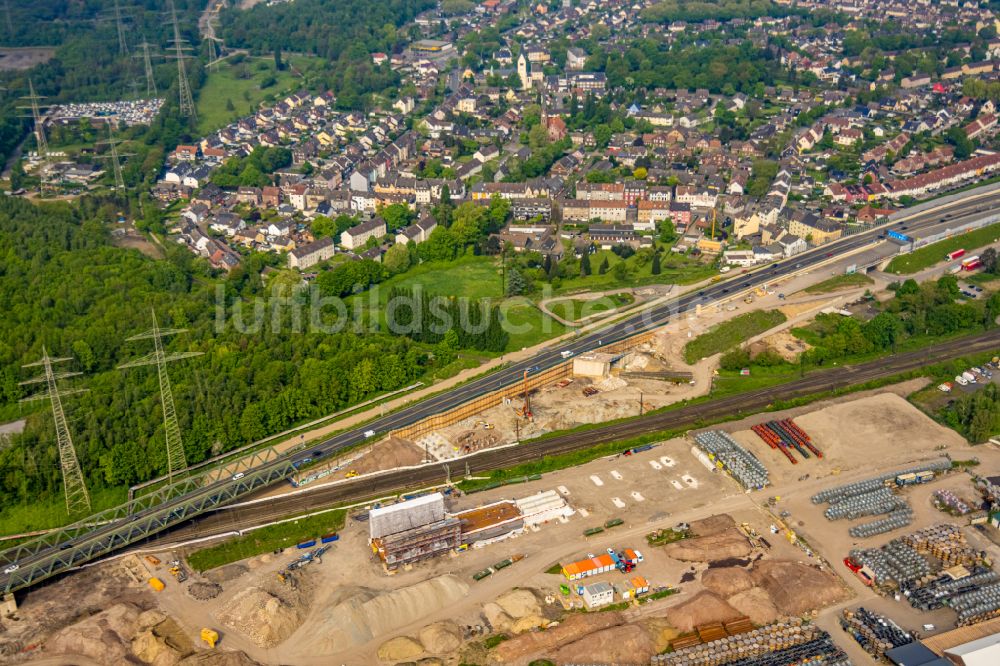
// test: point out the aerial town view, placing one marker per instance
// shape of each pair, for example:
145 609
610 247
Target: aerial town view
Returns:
478 332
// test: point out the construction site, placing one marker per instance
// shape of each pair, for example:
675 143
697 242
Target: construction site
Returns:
658 556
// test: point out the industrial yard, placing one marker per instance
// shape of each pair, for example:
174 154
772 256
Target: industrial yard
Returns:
475 578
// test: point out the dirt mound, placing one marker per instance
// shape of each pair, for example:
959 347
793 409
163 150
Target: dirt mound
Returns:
260 616
104 637
441 637
796 588
519 603
545 642
755 604
357 615
625 644
399 649
712 525
726 581
204 591
226 573
163 644
497 617
527 623
703 608
722 545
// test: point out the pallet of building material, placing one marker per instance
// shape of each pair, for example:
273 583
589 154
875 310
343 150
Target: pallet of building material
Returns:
682 642
740 626
711 632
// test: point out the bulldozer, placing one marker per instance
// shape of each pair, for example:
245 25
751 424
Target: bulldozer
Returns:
210 636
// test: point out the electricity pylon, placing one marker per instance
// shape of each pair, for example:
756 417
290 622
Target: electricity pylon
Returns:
77 498
122 45
183 87
150 78
115 162
43 145
175 449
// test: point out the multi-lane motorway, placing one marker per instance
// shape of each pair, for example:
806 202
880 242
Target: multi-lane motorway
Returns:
104 539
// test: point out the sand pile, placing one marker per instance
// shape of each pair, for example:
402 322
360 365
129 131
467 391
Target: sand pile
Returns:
400 648
726 581
264 618
543 643
611 384
163 643
728 544
628 643
712 525
104 637
796 588
703 608
441 637
755 604
519 603
358 615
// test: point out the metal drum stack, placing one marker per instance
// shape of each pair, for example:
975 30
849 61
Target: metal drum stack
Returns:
779 644
740 463
897 518
875 633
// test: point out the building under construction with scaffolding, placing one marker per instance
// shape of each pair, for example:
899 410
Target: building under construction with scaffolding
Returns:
412 531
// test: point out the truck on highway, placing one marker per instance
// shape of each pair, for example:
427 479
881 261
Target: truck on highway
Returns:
565 353
951 256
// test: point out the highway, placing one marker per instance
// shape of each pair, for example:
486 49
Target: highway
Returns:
107 538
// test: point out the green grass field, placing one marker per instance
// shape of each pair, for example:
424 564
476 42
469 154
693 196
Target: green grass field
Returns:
521 313
729 334
931 254
574 309
471 277
227 84
674 269
846 281
267 539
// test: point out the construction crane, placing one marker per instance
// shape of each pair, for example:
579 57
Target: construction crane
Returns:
525 411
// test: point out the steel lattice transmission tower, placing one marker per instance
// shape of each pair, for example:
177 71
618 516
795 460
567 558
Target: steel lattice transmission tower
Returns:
150 78
36 115
175 449
115 162
77 498
122 45
183 87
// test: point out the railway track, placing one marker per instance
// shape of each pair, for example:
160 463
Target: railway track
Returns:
243 517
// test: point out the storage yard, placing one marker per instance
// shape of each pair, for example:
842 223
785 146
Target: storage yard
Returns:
652 557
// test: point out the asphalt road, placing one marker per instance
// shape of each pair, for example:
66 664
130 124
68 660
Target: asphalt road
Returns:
109 537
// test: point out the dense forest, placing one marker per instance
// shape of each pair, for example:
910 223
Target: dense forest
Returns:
66 287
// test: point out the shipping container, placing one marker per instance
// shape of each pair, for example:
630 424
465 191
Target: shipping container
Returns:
614 522
156 584
307 544
951 256
479 575
592 531
329 537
